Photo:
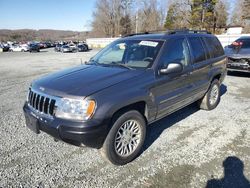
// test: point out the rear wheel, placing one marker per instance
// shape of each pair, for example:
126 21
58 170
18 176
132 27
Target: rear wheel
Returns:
212 97
125 139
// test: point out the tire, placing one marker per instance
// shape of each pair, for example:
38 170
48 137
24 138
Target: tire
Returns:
22 50
212 97
134 124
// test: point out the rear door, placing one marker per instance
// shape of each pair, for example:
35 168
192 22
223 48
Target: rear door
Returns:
200 65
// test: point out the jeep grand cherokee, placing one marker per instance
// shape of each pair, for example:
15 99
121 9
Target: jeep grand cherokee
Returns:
136 80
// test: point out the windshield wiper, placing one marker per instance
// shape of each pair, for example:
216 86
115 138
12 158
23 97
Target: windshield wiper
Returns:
121 65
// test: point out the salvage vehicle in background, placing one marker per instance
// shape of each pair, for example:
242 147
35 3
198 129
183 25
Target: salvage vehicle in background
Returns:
65 48
58 47
73 47
134 81
4 48
34 47
82 48
239 55
19 48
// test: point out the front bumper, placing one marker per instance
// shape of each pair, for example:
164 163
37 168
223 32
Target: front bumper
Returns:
91 133
241 65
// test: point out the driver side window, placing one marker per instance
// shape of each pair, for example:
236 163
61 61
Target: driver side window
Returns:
177 52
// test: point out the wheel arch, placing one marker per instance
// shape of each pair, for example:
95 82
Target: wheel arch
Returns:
140 106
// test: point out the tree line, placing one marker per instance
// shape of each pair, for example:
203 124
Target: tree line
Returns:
113 18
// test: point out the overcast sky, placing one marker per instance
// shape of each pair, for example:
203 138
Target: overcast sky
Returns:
49 14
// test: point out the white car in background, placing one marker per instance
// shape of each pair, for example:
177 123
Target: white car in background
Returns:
19 48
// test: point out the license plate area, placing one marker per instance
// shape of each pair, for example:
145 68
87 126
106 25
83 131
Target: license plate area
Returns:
32 123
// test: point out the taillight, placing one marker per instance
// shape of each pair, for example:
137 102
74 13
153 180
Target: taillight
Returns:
237 43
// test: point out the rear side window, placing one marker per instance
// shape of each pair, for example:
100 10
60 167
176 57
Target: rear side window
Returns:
197 49
245 43
214 47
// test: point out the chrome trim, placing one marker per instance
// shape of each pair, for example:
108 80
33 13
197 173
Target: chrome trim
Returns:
49 102
43 103
33 101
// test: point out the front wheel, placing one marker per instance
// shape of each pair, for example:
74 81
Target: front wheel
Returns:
125 139
212 97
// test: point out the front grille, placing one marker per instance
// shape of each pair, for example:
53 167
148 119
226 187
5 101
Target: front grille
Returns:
42 103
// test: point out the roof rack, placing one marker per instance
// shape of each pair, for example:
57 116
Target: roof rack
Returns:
133 34
170 32
144 33
187 31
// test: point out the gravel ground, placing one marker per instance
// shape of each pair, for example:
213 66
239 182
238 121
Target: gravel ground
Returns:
190 148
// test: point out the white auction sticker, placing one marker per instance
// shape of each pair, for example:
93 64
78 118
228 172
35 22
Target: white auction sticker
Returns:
148 43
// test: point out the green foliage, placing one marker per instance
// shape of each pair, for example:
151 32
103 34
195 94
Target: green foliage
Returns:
171 17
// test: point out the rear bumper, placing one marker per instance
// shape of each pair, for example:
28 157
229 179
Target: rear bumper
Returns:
91 133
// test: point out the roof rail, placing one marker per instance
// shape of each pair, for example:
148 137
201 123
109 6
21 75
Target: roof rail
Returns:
144 33
187 31
133 34
169 32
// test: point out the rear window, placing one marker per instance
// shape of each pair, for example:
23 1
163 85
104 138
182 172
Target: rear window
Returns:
245 43
197 49
214 47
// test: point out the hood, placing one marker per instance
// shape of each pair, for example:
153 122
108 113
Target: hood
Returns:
83 80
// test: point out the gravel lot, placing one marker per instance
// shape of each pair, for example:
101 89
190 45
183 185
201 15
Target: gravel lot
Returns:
186 149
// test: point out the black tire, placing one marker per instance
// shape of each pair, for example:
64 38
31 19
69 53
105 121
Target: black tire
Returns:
207 103
108 149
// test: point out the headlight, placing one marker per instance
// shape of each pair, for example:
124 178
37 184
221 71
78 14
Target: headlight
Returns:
75 109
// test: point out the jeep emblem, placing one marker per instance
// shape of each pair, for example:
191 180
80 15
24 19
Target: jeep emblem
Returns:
42 88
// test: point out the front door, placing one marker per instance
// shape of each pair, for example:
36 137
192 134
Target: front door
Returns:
171 91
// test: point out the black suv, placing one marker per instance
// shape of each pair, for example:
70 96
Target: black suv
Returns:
34 48
239 55
133 82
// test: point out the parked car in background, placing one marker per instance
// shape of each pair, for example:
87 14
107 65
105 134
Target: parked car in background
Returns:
73 47
4 48
82 47
18 48
133 82
58 47
239 55
34 47
66 48
42 45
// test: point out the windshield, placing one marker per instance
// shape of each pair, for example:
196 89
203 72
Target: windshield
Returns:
129 53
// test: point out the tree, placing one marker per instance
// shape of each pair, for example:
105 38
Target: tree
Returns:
241 15
178 15
148 16
221 14
125 24
171 17
237 15
202 14
246 15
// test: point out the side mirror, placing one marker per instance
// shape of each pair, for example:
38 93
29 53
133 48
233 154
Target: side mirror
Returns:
172 68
